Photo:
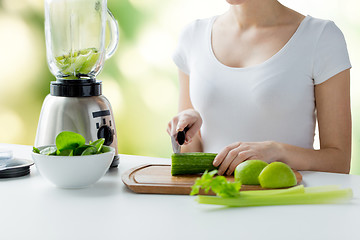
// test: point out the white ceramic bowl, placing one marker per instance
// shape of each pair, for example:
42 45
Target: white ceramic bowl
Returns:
73 171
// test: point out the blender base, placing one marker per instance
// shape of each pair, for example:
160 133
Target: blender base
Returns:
115 162
77 106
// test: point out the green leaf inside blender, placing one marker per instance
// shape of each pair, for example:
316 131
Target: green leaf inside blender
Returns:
78 63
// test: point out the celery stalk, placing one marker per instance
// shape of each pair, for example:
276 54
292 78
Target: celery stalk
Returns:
292 190
322 188
296 189
316 197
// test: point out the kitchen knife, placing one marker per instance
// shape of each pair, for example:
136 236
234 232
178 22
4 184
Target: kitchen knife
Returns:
176 145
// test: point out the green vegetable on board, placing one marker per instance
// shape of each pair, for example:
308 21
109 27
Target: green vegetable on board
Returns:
277 175
191 163
248 171
218 185
228 194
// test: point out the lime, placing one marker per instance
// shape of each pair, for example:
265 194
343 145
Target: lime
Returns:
248 172
277 175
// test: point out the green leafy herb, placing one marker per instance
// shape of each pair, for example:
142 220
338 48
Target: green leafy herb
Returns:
105 149
98 144
65 152
89 151
73 144
49 151
36 150
69 140
218 185
228 193
79 150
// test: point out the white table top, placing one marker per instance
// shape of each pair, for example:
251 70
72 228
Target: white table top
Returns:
32 208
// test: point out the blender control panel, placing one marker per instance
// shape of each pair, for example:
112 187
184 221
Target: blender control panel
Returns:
104 126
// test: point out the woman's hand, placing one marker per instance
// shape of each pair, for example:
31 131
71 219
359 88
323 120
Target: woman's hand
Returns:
189 119
234 154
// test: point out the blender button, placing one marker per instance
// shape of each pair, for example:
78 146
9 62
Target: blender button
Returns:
110 123
104 121
97 125
107 133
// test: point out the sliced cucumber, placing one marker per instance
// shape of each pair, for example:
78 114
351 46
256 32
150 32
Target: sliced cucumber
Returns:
191 163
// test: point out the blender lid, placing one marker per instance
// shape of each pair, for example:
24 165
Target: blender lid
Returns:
16 168
75 88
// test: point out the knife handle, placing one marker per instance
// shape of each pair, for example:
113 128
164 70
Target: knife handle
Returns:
181 136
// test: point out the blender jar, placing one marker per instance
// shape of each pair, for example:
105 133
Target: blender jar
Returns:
75 37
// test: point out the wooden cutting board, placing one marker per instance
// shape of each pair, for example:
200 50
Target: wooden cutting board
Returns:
157 178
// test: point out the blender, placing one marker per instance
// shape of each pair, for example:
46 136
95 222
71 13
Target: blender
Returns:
76 53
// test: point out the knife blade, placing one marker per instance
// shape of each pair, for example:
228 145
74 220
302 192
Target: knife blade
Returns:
175 146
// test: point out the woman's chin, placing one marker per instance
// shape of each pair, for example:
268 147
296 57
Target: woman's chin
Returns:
236 2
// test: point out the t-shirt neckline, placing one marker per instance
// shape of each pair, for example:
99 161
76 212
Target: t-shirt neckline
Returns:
272 58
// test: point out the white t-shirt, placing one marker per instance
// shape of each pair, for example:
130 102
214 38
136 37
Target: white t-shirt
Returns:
273 100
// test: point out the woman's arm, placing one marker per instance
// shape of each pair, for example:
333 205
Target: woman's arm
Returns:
334 120
187 115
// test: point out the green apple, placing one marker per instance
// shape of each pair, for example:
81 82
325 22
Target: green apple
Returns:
248 171
277 175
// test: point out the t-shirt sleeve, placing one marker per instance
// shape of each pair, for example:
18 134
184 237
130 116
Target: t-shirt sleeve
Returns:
182 51
331 55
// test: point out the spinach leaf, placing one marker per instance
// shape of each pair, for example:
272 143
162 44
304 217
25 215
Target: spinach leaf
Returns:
73 144
89 151
105 149
69 140
79 150
49 151
98 144
65 152
36 150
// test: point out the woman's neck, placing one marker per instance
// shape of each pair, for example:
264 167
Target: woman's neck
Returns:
256 13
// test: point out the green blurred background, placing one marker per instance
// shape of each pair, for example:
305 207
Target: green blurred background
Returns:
140 80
